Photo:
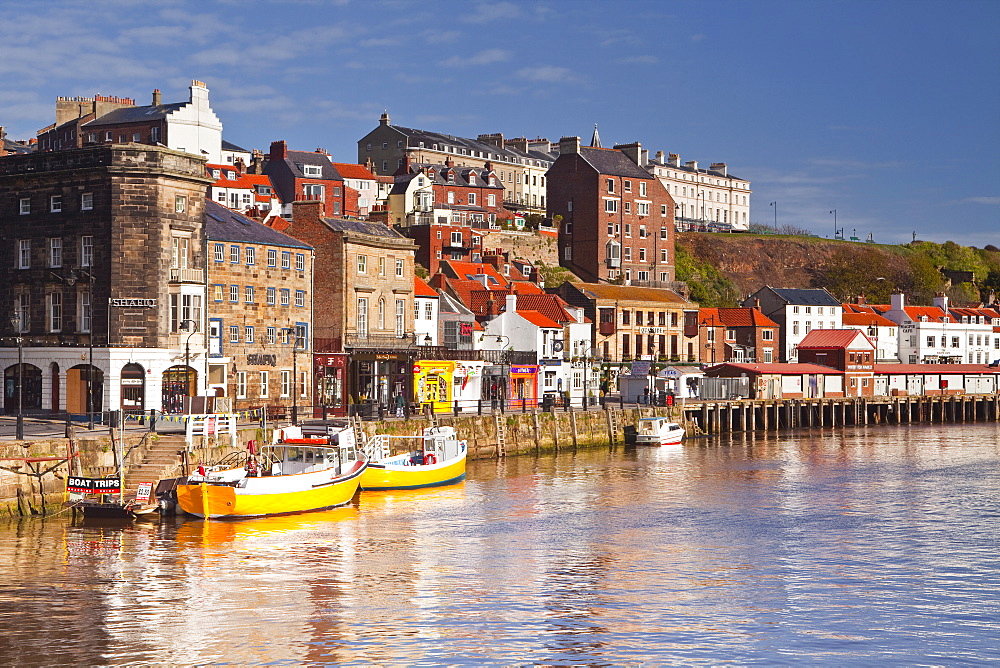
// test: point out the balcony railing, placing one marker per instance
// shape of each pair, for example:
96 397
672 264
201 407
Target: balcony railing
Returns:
186 275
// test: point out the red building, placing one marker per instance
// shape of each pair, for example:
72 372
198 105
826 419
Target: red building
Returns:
616 221
849 351
736 335
309 176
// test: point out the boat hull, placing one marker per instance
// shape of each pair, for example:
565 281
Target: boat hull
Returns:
270 495
387 475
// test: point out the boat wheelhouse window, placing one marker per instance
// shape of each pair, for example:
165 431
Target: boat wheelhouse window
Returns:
309 456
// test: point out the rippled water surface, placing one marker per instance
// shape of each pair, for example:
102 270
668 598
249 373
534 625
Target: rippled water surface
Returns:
877 545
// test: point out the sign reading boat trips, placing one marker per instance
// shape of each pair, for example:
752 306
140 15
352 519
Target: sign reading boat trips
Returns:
92 485
134 303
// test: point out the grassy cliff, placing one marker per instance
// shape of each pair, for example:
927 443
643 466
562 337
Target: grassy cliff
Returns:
721 268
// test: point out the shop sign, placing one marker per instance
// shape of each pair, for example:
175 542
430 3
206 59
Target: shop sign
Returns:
524 369
134 303
651 330
262 359
131 381
93 485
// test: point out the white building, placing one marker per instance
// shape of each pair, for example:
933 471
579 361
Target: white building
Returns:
711 197
882 331
426 305
939 335
797 312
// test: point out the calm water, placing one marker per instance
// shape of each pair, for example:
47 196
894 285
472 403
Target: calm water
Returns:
876 545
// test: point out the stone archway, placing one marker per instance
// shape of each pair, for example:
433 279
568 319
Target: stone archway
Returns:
84 390
133 389
31 388
178 382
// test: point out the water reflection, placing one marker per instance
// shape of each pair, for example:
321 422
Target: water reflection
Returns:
866 545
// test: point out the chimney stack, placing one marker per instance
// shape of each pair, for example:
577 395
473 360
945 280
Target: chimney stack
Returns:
156 98
569 145
279 150
384 118
633 151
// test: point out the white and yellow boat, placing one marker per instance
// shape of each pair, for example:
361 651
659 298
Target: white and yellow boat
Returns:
438 459
293 476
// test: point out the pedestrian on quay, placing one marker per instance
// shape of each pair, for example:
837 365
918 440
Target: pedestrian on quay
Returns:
400 404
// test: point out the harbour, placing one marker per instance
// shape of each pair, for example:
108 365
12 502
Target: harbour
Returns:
870 543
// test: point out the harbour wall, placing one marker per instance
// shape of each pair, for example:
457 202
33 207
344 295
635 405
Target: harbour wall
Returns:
488 436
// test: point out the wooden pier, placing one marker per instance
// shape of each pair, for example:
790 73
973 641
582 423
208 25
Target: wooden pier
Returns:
717 417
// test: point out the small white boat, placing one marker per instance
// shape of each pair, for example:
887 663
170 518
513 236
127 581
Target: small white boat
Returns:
658 431
437 457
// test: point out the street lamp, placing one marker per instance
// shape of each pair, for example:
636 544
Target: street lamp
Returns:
710 336
187 352
15 321
295 373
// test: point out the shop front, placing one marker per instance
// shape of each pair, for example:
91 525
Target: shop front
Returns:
330 391
432 384
523 386
376 379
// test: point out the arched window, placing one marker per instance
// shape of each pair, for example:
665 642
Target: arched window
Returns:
381 314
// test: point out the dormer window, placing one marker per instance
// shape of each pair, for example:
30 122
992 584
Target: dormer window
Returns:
315 171
215 173
493 180
472 178
431 174
451 177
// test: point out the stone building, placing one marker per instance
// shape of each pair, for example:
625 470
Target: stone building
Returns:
520 165
103 269
260 299
363 304
637 323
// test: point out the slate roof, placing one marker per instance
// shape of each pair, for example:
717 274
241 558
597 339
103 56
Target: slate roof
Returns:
295 158
630 293
613 162
474 146
229 146
135 114
807 297
222 224
461 177
362 227
833 338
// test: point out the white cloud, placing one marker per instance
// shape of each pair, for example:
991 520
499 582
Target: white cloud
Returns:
639 60
991 201
487 12
441 36
698 37
547 74
486 57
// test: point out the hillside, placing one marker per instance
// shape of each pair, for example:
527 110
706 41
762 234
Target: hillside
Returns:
722 268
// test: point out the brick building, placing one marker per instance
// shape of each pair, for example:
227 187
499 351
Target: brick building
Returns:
736 335
616 219
260 300
104 269
308 176
846 350
363 304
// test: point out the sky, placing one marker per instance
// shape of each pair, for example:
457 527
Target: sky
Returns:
887 111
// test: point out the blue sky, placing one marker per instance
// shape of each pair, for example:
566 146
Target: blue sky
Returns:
888 111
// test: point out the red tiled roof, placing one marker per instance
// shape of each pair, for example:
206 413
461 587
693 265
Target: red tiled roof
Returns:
350 170
932 313
278 223
866 308
836 338
539 320
735 317
866 319
421 289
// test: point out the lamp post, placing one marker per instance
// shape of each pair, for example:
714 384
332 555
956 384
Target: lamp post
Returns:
775 205
15 321
710 336
187 354
295 374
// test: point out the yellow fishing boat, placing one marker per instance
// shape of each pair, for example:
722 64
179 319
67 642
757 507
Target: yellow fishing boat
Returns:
438 459
293 476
